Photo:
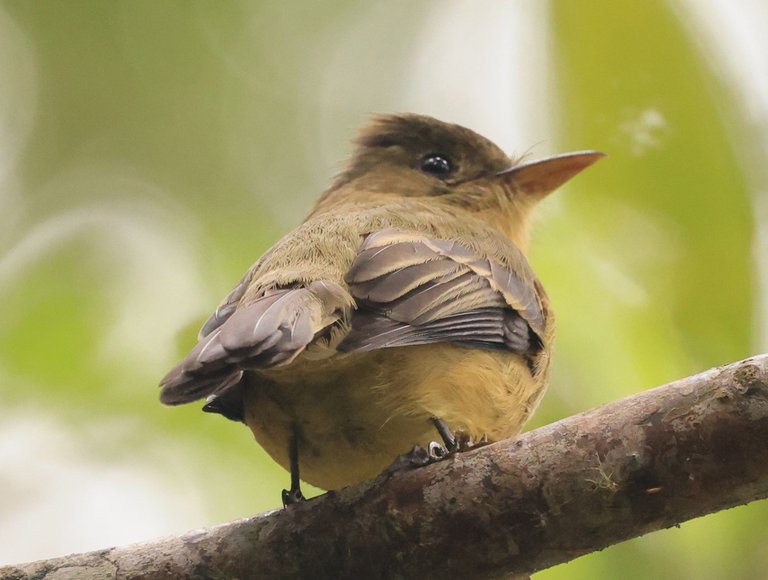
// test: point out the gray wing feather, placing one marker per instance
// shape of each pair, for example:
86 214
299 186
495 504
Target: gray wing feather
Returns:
402 281
412 289
272 329
378 261
227 307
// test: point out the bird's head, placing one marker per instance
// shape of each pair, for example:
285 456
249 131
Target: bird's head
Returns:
416 156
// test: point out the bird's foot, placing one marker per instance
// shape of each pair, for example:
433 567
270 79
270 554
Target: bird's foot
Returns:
292 496
435 451
464 442
452 443
419 456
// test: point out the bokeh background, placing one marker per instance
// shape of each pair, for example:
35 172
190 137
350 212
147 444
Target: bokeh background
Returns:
150 151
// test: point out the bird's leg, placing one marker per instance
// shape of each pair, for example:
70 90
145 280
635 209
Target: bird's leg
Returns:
435 451
459 441
293 495
449 439
451 444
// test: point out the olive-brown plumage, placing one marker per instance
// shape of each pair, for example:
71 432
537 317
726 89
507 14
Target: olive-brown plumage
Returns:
403 298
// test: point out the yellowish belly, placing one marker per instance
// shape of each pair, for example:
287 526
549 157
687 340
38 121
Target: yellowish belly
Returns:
354 414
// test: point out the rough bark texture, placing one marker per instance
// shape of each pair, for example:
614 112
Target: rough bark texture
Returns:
644 463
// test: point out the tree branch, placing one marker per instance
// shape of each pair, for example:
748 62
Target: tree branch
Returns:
646 462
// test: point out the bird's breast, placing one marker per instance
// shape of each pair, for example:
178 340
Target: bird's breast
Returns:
354 414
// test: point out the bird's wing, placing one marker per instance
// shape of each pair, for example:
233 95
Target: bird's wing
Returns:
412 289
270 330
227 307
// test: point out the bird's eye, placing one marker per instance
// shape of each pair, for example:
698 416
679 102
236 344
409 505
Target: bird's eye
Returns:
436 164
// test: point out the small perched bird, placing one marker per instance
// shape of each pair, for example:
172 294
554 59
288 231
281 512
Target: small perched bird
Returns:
402 308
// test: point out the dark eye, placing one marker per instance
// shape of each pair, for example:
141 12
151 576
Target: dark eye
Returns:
436 164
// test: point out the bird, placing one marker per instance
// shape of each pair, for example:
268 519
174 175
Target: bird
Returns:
402 309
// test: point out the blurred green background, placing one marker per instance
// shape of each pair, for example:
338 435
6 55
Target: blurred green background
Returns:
151 150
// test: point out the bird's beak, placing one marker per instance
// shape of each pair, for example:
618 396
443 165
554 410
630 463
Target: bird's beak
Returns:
538 178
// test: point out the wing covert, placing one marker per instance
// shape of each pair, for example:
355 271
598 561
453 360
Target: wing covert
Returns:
270 330
412 289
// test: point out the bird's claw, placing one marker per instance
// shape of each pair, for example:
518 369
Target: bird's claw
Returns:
418 457
292 496
434 452
464 442
437 451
